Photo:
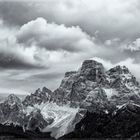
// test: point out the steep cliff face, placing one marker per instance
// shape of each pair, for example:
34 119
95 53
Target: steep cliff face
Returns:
76 86
120 79
38 97
92 86
10 108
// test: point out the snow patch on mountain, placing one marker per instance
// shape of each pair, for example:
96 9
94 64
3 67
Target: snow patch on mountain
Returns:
63 119
110 92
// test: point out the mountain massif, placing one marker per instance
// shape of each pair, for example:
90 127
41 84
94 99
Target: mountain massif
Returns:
89 103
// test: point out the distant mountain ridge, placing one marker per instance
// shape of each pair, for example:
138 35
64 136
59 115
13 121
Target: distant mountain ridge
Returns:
90 91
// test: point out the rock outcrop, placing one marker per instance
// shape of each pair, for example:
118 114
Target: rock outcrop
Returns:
38 97
91 85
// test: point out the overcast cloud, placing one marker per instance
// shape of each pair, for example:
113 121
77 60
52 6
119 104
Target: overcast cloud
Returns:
41 40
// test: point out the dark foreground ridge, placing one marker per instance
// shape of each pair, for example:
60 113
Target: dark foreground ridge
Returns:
124 124
16 132
89 103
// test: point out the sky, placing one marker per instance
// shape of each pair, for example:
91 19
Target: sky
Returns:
40 40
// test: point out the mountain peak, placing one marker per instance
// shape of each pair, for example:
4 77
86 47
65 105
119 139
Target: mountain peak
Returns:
46 90
38 97
92 70
119 70
12 99
12 96
90 64
69 73
37 92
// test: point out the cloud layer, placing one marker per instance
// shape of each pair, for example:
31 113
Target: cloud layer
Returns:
52 36
41 49
41 40
109 17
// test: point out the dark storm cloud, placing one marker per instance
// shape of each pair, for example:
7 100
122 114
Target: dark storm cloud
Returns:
14 56
15 13
111 18
46 76
67 33
40 44
12 62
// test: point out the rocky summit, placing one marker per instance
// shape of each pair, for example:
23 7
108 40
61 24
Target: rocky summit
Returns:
92 84
87 104
38 97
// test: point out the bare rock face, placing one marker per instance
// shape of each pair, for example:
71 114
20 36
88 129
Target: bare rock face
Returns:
96 101
120 79
10 107
93 71
76 87
36 120
38 97
79 88
12 111
1 115
70 73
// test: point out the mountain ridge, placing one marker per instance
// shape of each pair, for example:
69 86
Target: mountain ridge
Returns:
90 89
